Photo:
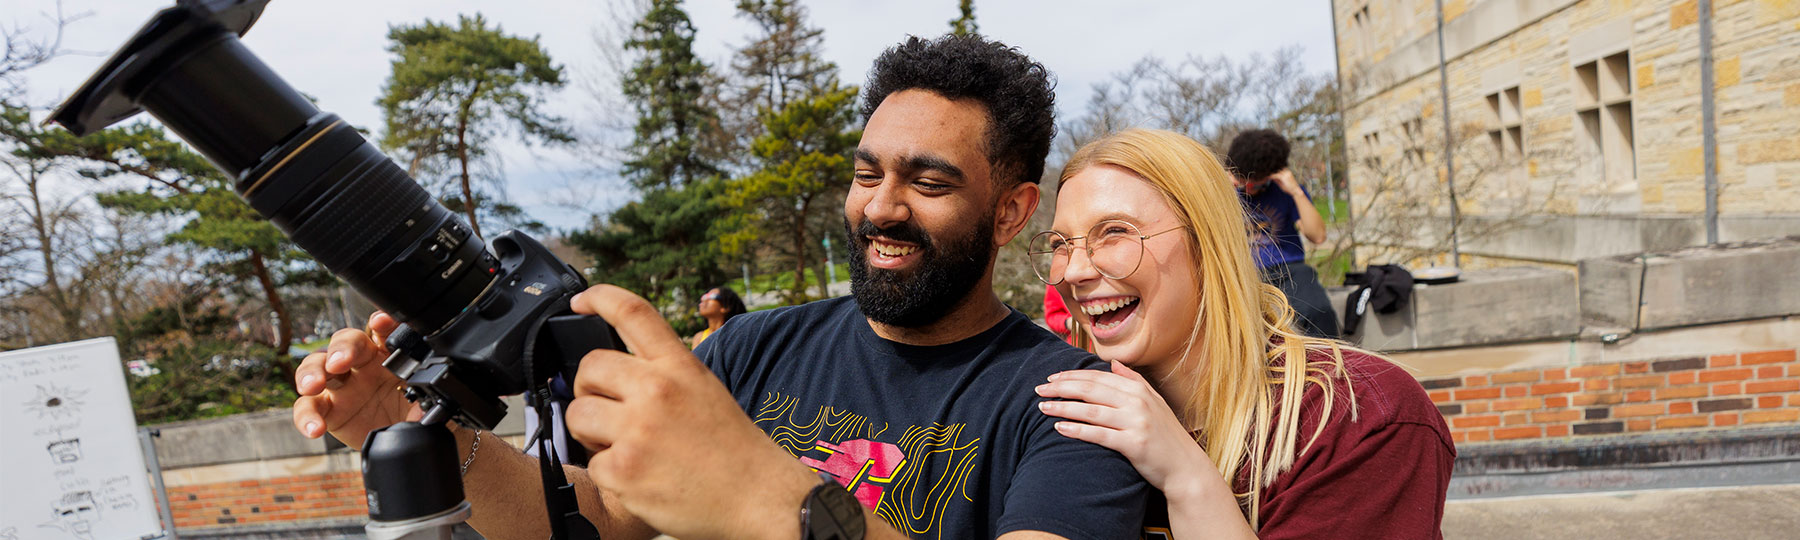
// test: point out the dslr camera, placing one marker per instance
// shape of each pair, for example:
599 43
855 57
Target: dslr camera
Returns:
479 321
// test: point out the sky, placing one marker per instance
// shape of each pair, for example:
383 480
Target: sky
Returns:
335 51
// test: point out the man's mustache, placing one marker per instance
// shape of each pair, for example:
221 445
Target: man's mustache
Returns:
901 232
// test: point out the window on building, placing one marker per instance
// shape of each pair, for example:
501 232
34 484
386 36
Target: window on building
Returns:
1505 124
1372 142
1603 106
1359 30
1415 140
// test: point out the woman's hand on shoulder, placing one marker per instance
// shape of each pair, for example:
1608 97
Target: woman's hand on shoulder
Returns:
1121 411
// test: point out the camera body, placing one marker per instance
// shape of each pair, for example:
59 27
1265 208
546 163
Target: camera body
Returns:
490 321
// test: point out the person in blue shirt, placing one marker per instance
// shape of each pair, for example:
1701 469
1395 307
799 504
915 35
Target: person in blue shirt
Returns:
1280 212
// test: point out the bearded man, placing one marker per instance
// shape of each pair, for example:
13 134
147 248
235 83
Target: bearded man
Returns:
906 409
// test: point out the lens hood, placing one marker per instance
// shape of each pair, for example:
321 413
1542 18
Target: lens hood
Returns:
112 93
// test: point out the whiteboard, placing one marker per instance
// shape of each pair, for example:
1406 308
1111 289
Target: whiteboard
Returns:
70 464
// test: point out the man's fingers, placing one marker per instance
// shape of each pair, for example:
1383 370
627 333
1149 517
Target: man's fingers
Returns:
349 349
642 327
587 416
608 373
380 325
309 377
309 415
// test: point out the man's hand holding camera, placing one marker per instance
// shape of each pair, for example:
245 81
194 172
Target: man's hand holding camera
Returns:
345 391
669 443
669 440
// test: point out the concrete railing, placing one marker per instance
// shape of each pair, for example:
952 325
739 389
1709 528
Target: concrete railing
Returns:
1606 298
264 436
1501 305
1732 282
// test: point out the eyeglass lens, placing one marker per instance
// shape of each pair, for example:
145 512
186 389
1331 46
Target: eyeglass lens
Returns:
1114 248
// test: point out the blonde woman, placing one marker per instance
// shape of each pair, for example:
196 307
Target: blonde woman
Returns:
1249 429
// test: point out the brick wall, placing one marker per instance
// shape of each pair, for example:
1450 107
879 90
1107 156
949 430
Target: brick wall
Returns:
315 497
1722 391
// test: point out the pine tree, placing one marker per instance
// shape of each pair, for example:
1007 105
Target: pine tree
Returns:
664 245
965 24
667 85
805 134
453 89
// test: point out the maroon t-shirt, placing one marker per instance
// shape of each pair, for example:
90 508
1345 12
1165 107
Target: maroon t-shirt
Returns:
1383 475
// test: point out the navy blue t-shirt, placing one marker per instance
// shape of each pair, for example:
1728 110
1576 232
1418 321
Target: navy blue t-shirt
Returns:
941 441
1273 237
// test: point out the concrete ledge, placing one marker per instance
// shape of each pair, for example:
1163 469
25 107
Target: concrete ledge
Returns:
264 436
1737 512
290 530
1686 287
1570 239
321 530
244 437
1694 341
1500 305
1651 461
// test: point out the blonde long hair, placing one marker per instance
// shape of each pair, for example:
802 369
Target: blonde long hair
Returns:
1252 369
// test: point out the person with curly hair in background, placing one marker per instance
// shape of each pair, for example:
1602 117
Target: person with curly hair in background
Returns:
1280 212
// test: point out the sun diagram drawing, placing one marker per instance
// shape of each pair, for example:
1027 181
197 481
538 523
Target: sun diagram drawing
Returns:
56 402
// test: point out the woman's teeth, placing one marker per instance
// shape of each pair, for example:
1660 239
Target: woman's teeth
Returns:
894 251
1099 308
1106 314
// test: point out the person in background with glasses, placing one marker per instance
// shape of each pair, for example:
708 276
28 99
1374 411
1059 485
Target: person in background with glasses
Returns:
717 306
1280 213
1247 428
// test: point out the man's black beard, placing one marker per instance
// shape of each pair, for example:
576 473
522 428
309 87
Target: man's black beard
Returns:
920 296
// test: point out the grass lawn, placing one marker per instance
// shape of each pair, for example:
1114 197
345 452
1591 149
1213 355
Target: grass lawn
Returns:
784 280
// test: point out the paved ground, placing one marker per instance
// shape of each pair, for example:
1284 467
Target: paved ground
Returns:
1735 513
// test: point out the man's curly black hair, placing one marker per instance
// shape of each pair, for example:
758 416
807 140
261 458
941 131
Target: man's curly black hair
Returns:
1017 92
1257 153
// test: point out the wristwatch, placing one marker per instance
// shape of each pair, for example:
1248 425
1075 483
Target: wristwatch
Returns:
831 513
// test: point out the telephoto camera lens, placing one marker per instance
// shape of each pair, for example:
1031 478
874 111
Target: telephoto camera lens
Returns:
337 196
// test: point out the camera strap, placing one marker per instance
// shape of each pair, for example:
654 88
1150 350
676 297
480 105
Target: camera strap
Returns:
566 521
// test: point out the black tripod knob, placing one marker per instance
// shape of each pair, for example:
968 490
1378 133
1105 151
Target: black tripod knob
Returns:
410 471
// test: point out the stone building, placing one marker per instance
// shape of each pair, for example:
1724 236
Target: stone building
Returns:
1577 124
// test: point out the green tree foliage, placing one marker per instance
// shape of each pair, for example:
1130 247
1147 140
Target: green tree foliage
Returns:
202 370
787 205
452 90
803 138
965 24
662 246
667 86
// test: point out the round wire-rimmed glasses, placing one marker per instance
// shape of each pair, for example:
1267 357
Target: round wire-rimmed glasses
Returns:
1115 248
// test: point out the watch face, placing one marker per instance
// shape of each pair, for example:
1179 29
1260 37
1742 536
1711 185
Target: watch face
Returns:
833 514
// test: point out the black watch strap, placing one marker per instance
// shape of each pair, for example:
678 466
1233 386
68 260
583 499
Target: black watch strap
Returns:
831 513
